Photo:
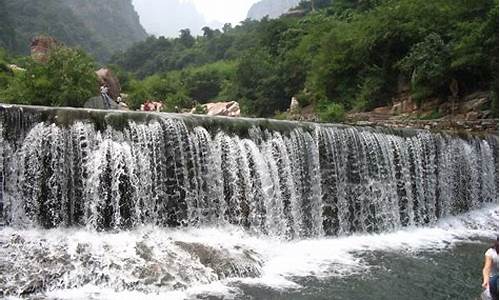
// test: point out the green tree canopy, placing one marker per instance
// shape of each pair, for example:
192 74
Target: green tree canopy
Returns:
67 79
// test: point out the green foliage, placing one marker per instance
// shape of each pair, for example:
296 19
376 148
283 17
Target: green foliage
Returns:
428 64
67 79
6 74
331 112
206 82
346 55
181 89
351 51
431 116
369 89
281 116
200 110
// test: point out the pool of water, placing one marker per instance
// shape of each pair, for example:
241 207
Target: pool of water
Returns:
453 273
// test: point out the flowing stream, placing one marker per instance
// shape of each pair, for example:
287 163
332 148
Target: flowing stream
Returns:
110 204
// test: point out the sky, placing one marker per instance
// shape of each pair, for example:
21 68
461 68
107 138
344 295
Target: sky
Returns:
167 17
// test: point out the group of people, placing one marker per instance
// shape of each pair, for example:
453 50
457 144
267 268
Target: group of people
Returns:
152 106
490 273
108 101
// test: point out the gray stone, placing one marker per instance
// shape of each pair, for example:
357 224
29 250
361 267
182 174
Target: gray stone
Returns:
224 263
98 103
143 251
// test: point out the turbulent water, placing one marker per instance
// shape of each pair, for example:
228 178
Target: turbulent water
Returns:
72 180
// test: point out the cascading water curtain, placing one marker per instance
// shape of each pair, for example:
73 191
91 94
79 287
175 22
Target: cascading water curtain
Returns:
313 181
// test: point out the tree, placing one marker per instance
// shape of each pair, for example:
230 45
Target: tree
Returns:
6 74
227 27
186 39
67 79
208 32
428 63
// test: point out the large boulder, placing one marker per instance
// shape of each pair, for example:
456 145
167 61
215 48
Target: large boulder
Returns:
98 103
228 109
107 77
41 46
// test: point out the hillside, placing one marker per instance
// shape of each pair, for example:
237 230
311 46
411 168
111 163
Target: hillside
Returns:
271 8
99 27
343 57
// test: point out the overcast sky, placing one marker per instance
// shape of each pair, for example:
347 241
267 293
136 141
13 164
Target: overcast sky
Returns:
167 17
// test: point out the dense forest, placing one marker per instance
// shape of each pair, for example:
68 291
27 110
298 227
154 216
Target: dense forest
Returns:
99 27
338 56
343 55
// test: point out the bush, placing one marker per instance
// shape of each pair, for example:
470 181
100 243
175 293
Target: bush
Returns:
428 63
431 116
200 109
281 116
67 79
331 112
369 90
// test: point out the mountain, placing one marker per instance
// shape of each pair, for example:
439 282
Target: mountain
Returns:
99 27
271 8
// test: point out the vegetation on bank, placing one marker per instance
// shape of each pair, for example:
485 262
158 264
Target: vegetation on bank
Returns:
67 78
345 55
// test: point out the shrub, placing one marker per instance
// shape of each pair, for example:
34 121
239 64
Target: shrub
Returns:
332 112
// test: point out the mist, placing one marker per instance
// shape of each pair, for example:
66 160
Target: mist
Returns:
167 17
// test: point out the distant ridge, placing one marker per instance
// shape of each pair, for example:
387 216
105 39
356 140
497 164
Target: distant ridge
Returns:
271 8
99 27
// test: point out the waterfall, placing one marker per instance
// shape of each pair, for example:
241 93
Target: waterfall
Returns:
112 171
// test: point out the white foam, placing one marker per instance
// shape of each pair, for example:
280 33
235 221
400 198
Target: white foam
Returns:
282 260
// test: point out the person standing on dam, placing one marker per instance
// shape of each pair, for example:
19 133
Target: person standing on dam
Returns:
105 97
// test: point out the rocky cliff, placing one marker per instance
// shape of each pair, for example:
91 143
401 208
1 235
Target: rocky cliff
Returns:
99 27
271 8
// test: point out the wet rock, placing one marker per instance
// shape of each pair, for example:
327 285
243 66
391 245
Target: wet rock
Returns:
16 239
143 251
179 286
32 286
82 248
166 279
224 263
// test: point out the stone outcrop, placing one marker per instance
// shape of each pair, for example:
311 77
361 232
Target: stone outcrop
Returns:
41 46
469 108
107 77
475 126
227 109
